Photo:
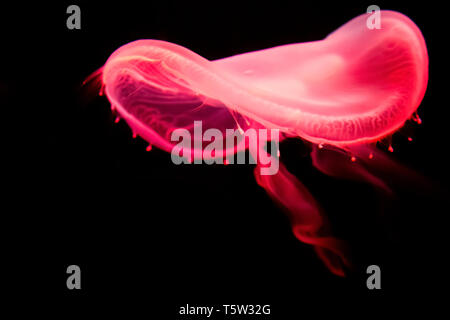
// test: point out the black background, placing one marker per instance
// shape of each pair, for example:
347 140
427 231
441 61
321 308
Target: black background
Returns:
150 236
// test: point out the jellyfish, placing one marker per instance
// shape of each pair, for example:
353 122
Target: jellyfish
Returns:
343 93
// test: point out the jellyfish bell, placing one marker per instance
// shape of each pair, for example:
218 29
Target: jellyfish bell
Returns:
355 86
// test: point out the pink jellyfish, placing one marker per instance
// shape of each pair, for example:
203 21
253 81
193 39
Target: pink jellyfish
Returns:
345 92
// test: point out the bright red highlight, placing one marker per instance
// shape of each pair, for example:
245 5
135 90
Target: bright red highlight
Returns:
354 87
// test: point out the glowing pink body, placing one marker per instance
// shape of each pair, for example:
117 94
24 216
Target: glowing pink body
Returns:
357 85
354 87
